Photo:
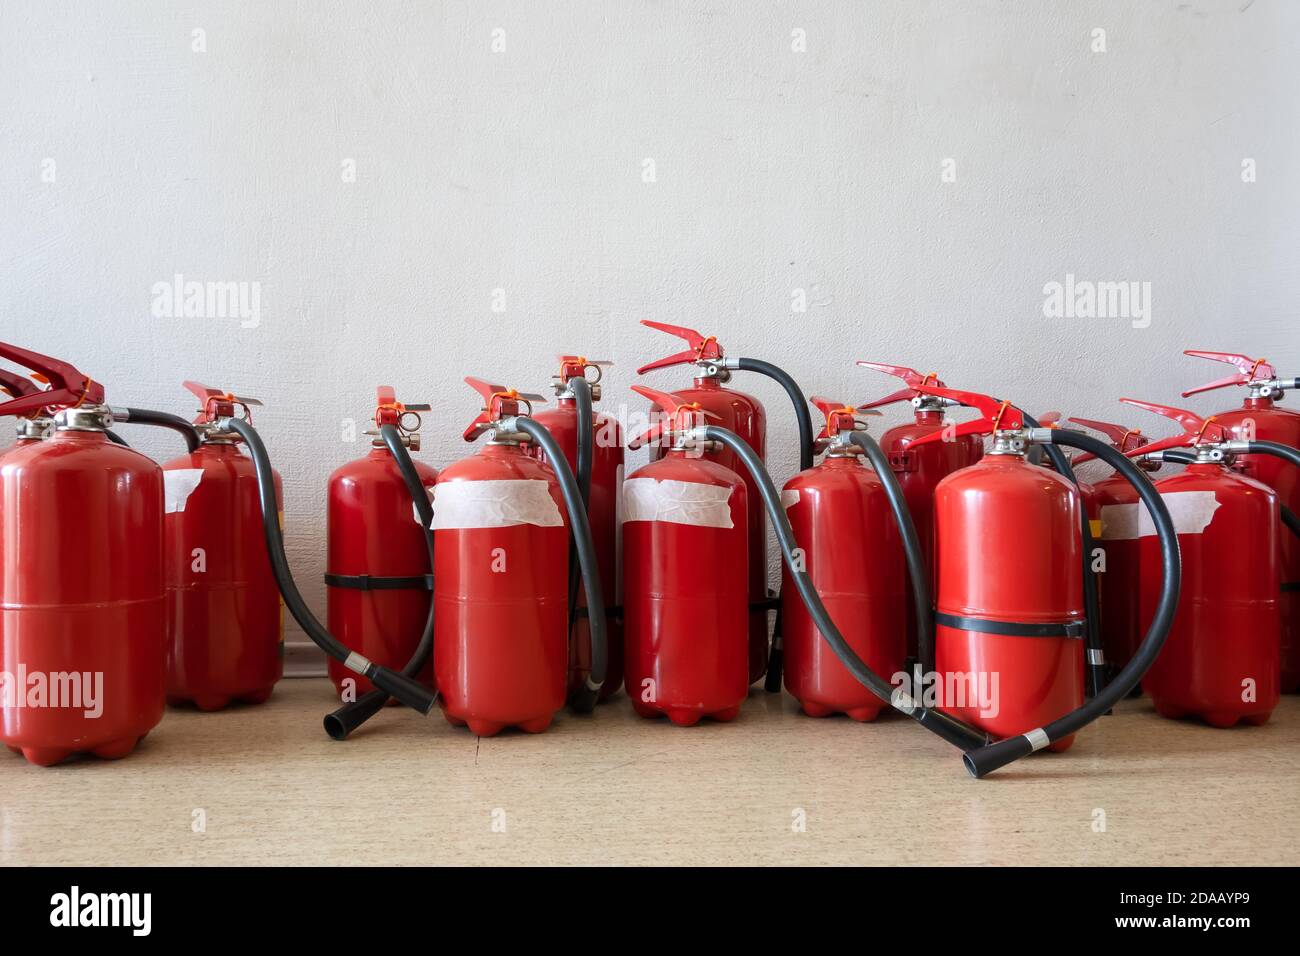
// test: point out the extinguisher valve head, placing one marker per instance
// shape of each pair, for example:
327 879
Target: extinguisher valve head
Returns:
501 406
84 418
1197 431
576 366
704 351
682 422
1255 373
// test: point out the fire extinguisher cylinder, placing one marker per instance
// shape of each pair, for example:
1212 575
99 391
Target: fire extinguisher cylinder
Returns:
945 726
403 688
342 722
584 700
985 760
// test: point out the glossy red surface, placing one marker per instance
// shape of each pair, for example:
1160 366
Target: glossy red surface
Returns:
744 415
81 592
1227 628
1260 419
854 555
1009 549
1122 625
501 604
225 626
685 598
373 530
606 473
919 470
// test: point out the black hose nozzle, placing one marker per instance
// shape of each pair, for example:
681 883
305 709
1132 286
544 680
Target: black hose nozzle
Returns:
340 724
984 760
407 691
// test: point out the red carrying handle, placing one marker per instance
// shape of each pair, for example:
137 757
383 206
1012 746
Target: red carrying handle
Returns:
68 386
702 348
1119 436
217 403
1196 430
911 376
1248 370
996 415
498 402
839 417
678 416
389 411
575 366
15 385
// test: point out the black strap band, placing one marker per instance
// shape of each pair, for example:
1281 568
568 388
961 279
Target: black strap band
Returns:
367 582
1071 629
1288 586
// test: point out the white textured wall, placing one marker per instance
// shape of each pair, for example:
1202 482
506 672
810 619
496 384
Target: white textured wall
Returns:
522 170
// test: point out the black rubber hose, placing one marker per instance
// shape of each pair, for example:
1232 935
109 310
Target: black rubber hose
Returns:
584 700
951 729
583 457
987 759
1096 669
802 417
406 690
342 722
145 416
922 592
1290 519
807 451
115 438
1276 449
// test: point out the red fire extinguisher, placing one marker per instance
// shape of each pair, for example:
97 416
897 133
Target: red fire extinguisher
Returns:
1260 419
1009 604
501 526
1115 499
1222 662
226 634
920 468
32 427
378 571
685 574
81 579
840 514
593 445
744 415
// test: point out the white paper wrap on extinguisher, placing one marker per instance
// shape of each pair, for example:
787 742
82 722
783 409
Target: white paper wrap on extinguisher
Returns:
496 503
677 502
1192 512
178 485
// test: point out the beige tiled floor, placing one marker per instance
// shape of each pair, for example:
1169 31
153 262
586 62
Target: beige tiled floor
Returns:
614 788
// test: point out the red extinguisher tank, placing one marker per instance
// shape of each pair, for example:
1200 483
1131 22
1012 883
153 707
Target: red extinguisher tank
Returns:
1221 661
225 622
744 415
685 577
81 580
602 511
920 467
1115 501
853 552
1009 610
501 557
378 566
1260 419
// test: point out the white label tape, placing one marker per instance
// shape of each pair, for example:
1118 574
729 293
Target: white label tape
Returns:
677 502
789 497
178 485
415 511
499 503
1191 511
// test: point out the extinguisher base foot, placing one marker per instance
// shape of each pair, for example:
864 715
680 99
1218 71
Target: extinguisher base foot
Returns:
116 749
45 756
